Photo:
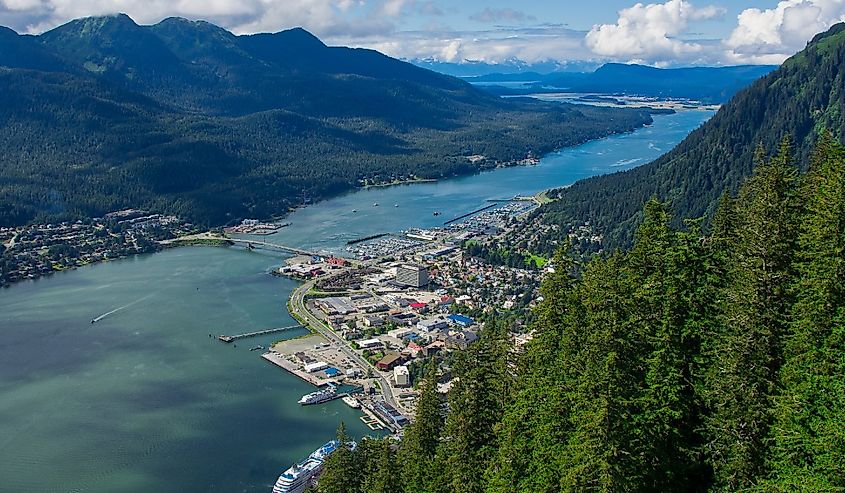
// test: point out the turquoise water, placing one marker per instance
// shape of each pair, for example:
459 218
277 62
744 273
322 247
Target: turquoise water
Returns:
145 401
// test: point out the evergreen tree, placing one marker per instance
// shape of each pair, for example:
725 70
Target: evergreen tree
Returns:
340 474
536 423
666 269
747 353
384 476
419 445
476 403
598 454
809 432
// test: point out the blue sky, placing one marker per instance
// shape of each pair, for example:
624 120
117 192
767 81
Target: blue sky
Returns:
660 33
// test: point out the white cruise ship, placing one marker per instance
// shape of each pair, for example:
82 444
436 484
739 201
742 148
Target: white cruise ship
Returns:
297 478
319 396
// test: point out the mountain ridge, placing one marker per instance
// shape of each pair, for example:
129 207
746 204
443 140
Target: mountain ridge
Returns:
183 117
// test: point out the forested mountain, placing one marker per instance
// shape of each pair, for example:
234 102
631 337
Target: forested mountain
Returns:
692 363
185 117
704 84
802 97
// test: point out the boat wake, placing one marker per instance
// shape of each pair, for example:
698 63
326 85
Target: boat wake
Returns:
97 319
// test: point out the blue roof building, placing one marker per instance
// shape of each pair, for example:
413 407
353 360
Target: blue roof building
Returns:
461 320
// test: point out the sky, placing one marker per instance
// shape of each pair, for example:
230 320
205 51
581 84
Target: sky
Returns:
670 33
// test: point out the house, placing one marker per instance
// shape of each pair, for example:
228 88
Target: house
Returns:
434 348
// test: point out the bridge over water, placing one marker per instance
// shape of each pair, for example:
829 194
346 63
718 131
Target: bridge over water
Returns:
271 246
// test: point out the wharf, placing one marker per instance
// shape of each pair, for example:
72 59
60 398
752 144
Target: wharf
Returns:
228 339
279 360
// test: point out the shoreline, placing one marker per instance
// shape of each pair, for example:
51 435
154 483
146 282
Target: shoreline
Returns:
541 198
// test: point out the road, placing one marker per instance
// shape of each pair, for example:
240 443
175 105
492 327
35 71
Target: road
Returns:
298 308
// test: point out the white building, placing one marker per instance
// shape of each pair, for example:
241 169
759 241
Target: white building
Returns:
370 344
315 367
402 376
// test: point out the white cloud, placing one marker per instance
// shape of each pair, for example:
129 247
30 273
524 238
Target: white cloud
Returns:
772 35
651 32
530 45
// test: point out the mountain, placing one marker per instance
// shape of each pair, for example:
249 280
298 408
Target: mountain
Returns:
800 99
708 84
185 117
511 66
705 84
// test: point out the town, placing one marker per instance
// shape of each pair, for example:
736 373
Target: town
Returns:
405 301
29 252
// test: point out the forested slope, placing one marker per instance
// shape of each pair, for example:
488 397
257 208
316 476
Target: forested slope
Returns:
799 99
185 117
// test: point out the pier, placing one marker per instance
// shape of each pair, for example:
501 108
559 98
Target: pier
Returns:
228 339
450 221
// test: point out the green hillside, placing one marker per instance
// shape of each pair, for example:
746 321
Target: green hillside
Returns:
799 99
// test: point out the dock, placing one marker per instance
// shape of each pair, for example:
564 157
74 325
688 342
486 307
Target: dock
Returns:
279 360
456 219
228 339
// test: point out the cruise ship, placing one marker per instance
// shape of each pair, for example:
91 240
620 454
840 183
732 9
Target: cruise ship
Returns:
319 396
297 478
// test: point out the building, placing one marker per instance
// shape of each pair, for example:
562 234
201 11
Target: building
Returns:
461 320
389 362
373 321
336 306
430 325
315 367
400 332
402 376
412 275
370 344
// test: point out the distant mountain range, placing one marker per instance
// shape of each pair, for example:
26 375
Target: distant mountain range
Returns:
705 84
514 67
803 97
188 118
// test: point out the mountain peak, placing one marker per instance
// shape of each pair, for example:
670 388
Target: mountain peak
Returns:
102 23
833 31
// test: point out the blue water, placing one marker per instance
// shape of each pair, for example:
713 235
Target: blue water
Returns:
328 225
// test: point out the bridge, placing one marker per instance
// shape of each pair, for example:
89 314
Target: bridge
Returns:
233 338
271 246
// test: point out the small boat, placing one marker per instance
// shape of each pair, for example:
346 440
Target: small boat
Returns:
436 213
256 348
375 204
351 402
395 205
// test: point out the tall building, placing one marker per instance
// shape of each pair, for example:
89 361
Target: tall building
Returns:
412 275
